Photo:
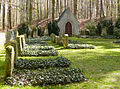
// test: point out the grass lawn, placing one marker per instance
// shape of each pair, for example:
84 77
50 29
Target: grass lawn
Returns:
101 66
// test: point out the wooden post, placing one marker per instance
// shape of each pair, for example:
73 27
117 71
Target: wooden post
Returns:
9 61
65 40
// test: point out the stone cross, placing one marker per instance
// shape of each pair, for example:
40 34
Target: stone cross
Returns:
65 40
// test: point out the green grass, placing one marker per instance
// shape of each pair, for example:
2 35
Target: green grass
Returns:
101 66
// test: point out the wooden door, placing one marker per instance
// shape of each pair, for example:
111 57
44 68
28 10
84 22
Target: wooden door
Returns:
68 29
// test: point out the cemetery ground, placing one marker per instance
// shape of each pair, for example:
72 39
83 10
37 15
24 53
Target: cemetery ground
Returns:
101 66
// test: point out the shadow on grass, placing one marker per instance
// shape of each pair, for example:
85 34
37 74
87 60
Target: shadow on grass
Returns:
95 64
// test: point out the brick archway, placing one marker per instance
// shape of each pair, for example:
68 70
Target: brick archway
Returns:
68 28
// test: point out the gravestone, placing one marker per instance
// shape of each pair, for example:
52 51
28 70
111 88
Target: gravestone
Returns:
25 37
23 40
46 32
53 37
10 35
65 40
19 45
35 33
61 40
56 39
17 34
9 61
104 32
13 44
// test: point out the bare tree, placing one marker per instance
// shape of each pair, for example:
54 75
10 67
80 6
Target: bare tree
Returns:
3 17
75 8
9 15
30 11
53 9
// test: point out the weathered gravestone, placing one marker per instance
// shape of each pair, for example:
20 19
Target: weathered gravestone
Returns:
35 33
10 35
57 39
61 40
65 40
19 45
23 40
46 32
13 44
9 61
53 37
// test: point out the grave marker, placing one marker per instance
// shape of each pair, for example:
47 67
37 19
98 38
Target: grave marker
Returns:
23 41
53 37
65 40
9 61
60 40
13 44
19 45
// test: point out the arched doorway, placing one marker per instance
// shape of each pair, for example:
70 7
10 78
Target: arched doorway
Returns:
68 28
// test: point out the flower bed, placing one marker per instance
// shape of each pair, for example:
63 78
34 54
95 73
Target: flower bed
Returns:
44 63
38 40
45 77
75 42
81 46
116 41
36 50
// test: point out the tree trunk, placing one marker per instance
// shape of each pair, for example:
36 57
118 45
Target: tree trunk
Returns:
97 8
90 9
16 13
61 7
47 8
118 4
101 10
65 4
30 10
53 9
75 8
3 17
40 9
27 10
9 15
